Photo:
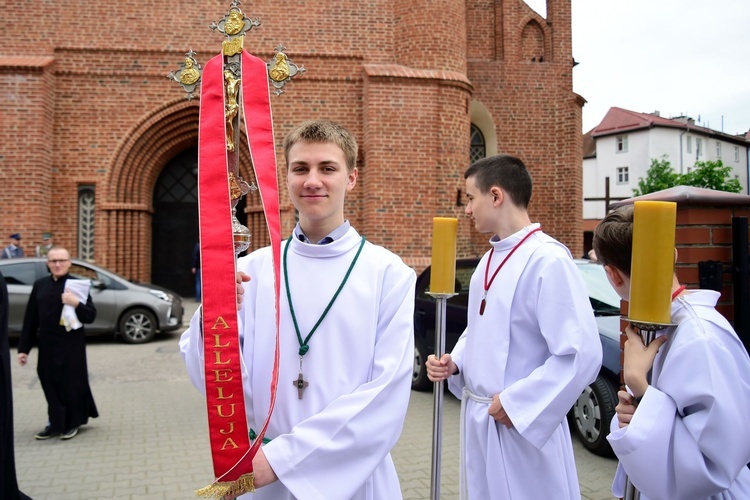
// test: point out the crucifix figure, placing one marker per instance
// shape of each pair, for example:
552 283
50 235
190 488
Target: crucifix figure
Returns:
300 384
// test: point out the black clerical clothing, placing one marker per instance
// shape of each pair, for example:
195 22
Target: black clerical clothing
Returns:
8 482
62 367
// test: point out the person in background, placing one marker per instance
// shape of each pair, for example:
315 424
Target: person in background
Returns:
62 366
8 481
14 250
686 432
48 242
197 270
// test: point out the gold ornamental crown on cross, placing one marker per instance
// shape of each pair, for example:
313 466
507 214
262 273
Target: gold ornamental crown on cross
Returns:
233 26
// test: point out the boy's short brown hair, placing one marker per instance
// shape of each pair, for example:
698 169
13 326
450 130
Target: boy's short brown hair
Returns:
506 172
324 131
613 239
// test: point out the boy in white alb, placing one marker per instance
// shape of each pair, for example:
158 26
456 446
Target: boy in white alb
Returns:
686 434
530 347
347 305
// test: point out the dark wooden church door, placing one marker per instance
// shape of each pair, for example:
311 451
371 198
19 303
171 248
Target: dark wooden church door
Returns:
175 224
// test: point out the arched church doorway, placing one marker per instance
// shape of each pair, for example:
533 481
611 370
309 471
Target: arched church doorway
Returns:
175 223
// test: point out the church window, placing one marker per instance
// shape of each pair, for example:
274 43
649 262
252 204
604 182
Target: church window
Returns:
86 221
478 146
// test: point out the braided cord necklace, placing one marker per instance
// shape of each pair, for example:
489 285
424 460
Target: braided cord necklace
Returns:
301 383
487 280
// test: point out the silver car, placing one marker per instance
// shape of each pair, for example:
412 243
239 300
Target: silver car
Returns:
134 311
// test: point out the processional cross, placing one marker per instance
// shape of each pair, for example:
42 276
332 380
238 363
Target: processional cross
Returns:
233 83
280 71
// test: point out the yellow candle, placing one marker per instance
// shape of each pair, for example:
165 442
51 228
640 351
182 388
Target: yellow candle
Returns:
652 264
443 270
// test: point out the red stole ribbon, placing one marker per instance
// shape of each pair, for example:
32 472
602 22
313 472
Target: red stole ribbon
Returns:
228 430
259 130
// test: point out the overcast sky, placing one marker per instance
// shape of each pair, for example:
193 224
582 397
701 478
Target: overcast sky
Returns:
676 56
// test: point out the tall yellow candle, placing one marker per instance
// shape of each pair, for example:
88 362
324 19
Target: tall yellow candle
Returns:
652 264
443 270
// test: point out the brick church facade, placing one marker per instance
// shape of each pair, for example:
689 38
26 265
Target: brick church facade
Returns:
98 146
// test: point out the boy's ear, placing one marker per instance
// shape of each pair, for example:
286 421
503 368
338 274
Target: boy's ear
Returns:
614 275
497 195
352 179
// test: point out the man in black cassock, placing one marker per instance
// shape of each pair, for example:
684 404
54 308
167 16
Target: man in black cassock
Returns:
62 367
8 482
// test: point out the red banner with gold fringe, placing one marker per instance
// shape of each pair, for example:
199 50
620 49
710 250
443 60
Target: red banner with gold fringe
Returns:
228 430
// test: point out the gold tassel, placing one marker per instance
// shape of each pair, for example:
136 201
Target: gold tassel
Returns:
229 490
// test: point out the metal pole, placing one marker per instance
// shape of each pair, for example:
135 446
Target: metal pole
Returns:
437 416
647 335
630 492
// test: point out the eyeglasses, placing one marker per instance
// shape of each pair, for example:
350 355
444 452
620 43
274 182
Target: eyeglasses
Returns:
58 261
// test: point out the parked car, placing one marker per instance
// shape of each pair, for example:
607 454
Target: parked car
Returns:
594 409
133 311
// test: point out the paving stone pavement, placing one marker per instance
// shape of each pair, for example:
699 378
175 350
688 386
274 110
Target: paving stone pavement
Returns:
151 440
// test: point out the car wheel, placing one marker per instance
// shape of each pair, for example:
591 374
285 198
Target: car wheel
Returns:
138 326
419 380
592 413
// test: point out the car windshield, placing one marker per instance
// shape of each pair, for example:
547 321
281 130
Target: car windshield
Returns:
604 299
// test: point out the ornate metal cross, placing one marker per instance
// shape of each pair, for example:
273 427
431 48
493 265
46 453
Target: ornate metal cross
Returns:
280 71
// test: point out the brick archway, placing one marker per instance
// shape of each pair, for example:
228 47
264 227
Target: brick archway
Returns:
127 206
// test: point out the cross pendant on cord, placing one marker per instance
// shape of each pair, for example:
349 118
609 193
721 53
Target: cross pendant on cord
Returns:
300 384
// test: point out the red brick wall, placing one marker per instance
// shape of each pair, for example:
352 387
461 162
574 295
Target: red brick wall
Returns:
86 90
28 203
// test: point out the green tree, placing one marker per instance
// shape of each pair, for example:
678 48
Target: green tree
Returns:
660 176
712 175
704 174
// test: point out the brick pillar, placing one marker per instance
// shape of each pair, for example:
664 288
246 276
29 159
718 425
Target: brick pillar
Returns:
417 149
416 128
27 151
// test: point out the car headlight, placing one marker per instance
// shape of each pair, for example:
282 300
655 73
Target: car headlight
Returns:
167 297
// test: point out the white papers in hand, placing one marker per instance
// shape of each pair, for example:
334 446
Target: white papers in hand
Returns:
79 288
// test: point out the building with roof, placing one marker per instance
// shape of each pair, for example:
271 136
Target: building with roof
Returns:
618 151
98 144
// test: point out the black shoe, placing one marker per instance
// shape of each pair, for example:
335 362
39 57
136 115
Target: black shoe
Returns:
46 434
70 434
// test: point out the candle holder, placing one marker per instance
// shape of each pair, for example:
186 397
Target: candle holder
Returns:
647 326
437 417
647 331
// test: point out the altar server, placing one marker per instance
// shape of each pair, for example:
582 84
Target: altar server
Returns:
530 347
347 340
686 433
